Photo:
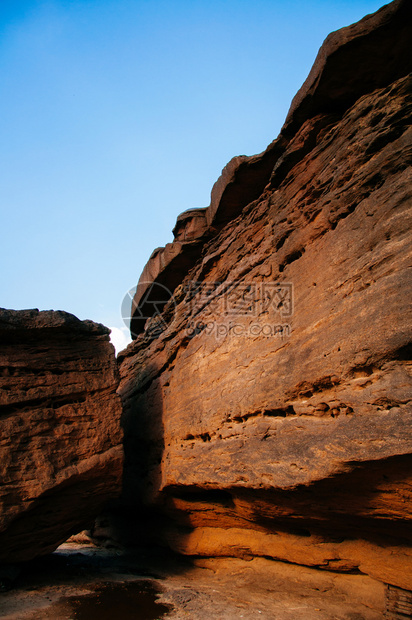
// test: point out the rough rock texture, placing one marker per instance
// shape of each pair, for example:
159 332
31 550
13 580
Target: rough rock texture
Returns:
60 437
271 413
379 48
190 225
166 268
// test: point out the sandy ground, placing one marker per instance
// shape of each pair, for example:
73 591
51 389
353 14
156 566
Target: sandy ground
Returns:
221 589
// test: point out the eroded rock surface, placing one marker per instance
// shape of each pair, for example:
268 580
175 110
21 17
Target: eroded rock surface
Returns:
272 414
60 436
352 61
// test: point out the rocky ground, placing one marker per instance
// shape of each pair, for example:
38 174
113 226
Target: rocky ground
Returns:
85 582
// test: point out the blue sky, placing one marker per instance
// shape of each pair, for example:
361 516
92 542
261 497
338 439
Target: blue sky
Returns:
117 115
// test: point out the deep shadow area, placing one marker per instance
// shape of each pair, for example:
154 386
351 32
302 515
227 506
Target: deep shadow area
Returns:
348 506
132 600
84 582
134 516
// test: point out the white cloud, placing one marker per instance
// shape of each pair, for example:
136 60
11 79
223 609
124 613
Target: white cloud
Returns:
120 338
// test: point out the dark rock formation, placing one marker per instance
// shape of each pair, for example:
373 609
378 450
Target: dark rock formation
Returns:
60 437
271 412
167 267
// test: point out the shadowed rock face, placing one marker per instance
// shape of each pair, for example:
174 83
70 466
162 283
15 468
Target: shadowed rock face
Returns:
167 267
60 437
271 416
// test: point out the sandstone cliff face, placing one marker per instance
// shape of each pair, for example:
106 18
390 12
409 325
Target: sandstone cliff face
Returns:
60 437
352 62
271 414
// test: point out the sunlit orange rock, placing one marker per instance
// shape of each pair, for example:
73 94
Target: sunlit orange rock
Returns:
270 415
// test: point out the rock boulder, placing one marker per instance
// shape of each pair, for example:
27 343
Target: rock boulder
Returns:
60 436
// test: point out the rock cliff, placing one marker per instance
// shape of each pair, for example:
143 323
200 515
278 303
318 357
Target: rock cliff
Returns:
269 412
60 437
378 47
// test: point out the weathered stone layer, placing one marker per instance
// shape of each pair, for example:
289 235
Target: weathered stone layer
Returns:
60 437
378 47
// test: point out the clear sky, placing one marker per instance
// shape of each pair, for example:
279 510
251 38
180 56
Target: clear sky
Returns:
117 115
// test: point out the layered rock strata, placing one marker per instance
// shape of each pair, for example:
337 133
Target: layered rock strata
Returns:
270 414
60 436
378 47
